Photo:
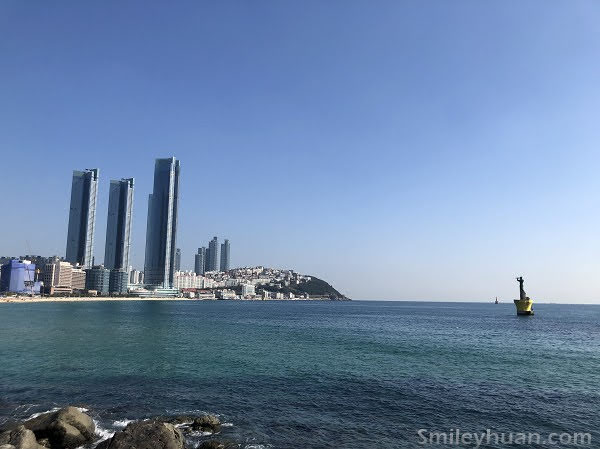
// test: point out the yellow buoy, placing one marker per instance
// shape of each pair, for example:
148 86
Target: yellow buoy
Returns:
524 304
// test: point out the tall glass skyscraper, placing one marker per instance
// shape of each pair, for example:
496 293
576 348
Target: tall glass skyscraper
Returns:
225 261
82 217
161 229
212 255
118 225
178 259
200 261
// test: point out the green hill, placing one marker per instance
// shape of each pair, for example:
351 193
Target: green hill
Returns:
314 287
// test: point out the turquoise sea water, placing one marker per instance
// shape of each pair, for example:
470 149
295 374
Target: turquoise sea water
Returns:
357 374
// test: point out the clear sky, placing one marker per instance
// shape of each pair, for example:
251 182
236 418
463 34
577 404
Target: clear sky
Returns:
398 149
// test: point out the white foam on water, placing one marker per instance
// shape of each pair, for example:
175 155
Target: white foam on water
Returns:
55 409
25 407
227 424
123 422
183 424
35 415
257 446
200 434
103 434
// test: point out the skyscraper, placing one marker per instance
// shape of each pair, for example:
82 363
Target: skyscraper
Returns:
225 261
82 217
200 261
212 255
118 225
178 259
161 229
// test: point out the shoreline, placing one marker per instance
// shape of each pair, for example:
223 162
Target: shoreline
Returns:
27 299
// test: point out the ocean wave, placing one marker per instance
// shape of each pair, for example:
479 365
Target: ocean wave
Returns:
183 424
227 424
24 408
200 433
123 422
35 415
55 409
103 434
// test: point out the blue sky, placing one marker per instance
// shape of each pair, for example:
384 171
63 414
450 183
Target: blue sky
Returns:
398 149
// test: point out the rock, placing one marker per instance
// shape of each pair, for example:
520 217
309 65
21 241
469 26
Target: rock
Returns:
175 420
9 425
7 446
211 445
19 438
67 428
44 442
215 444
103 444
146 435
206 423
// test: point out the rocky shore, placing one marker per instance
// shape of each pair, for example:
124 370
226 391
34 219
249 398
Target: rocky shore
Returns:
71 428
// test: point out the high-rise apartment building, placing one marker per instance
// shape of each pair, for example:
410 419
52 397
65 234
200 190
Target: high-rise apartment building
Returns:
212 256
225 260
136 277
178 259
161 229
200 261
82 217
118 225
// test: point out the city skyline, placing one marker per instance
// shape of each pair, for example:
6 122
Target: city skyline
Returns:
161 225
326 126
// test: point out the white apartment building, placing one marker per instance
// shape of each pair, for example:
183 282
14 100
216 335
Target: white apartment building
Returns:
78 279
58 274
248 290
188 279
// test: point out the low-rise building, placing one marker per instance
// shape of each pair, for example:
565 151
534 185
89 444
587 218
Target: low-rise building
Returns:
226 294
205 294
158 292
248 291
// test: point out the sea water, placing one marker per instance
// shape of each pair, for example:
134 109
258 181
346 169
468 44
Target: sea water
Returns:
301 374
